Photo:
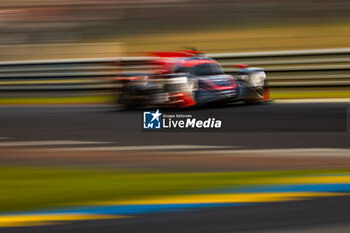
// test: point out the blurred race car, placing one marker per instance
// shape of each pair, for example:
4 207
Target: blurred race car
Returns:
188 78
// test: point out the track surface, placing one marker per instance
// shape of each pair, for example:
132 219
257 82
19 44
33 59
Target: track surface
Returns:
303 216
123 128
109 124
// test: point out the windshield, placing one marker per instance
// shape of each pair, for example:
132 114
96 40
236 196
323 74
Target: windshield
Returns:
207 69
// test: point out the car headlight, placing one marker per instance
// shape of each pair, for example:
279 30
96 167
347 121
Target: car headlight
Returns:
178 80
243 77
257 79
182 84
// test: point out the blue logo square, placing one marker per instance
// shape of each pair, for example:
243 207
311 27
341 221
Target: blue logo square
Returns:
151 120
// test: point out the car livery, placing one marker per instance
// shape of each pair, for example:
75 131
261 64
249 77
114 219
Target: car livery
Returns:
187 78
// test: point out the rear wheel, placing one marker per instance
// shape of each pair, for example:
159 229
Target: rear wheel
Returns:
127 96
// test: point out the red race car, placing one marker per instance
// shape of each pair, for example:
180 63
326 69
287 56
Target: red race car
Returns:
188 78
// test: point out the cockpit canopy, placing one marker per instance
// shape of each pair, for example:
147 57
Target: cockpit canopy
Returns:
198 67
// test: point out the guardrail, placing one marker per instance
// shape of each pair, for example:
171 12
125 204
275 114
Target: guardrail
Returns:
286 70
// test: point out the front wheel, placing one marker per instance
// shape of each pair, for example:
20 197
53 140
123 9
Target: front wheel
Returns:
258 96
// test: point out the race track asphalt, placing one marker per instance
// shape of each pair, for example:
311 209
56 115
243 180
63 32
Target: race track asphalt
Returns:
272 125
267 126
319 215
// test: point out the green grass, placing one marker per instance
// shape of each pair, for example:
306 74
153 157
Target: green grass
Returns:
30 188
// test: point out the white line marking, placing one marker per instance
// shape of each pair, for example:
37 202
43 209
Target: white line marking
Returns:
280 152
46 143
320 100
134 148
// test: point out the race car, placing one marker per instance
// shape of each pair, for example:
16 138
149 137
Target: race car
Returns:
188 78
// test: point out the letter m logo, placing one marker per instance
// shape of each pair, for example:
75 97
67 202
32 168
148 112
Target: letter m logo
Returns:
151 120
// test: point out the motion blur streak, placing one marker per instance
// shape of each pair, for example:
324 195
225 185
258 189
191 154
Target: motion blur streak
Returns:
335 152
46 143
78 159
133 148
286 189
229 198
317 100
48 219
